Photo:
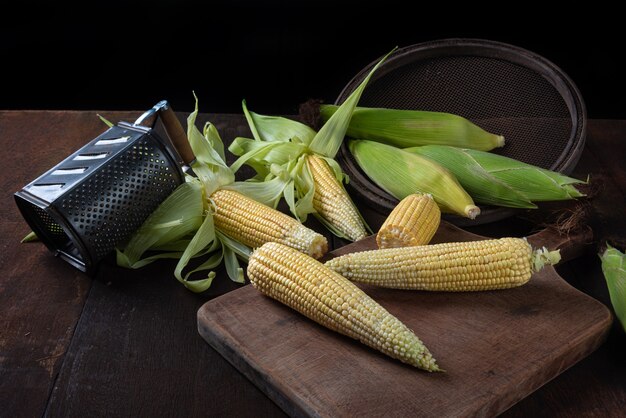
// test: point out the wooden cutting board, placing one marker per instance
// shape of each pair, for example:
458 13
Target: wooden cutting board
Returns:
496 347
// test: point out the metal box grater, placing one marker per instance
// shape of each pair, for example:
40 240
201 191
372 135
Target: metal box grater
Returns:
97 197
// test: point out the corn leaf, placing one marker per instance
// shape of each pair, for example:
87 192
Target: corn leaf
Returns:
304 190
401 173
329 138
537 184
268 192
475 179
105 121
212 136
210 166
275 128
203 238
233 269
614 269
410 128
260 154
179 215
233 251
30 237
240 250
498 180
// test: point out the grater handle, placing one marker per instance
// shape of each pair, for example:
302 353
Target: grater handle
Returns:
177 134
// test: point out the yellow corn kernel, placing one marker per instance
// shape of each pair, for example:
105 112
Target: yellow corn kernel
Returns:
253 224
412 222
453 266
332 202
329 299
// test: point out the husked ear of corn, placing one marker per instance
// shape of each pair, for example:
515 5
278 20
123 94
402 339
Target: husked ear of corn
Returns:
452 267
214 217
303 161
401 173
410 128
412 222
327 298
332 203
253 224
497 180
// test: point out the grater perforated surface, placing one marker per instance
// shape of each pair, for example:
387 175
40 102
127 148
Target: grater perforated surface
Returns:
113 202
92 202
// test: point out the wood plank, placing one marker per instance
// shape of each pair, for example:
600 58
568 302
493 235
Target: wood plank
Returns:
137 344
596 386
497 347
136 352
41 298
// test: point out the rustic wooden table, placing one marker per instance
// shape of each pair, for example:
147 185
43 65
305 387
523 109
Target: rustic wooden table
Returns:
126 343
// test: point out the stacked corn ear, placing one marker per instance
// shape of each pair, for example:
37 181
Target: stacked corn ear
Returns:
412 222
401 173
409 128
329 299
332 203
452 267
502 181
613 264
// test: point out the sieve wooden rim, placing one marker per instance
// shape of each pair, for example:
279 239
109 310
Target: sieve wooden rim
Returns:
380 200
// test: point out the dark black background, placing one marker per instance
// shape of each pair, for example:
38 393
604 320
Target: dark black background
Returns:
275 54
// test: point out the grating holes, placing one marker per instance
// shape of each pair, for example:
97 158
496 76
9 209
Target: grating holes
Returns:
114 201
50 225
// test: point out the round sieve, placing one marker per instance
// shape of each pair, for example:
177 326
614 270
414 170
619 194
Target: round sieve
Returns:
502 88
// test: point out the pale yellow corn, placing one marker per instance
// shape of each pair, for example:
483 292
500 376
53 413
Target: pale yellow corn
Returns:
412 222
332 202
453 267
329 299
253 224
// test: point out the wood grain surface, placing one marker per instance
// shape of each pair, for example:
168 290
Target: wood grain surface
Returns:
41 298
496 347
126 343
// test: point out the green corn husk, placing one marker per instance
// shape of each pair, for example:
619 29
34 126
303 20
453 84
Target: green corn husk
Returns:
614 269
496 180
402 173
410 128
30 237
182 226
279 150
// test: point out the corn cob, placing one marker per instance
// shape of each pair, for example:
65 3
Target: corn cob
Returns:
253 224
327 298
453 267
409 128
412 222
332 202
401 173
